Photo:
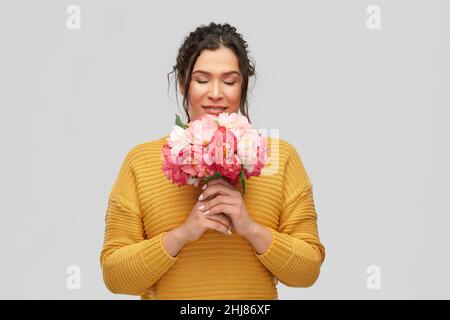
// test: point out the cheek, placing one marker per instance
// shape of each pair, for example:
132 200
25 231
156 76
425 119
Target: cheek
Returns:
197 92
234 96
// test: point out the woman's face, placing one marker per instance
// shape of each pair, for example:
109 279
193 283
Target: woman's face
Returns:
215 81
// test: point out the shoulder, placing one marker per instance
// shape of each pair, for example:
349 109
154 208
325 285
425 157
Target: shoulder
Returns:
288 147
282 148
294 165
145 150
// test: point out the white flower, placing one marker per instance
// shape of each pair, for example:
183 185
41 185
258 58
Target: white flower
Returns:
237 124
178 140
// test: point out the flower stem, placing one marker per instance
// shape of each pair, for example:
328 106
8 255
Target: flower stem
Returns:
214 176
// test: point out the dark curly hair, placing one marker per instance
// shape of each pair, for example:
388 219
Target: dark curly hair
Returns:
212 37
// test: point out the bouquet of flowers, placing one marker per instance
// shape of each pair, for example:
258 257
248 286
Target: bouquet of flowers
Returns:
212 146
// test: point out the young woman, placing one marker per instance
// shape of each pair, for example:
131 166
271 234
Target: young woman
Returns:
163 241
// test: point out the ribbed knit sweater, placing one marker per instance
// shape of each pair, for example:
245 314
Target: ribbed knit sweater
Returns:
144 204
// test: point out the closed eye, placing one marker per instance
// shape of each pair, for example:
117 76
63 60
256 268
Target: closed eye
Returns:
227 83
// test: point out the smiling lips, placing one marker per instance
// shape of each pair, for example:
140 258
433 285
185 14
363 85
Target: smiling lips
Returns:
215 109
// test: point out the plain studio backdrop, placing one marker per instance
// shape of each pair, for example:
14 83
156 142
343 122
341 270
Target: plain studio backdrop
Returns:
360 88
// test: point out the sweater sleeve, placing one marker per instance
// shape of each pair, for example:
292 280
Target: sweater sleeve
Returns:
130 263
296 253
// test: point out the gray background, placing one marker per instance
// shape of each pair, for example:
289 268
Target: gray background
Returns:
366 109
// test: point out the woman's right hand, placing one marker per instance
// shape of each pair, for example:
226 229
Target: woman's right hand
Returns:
197 223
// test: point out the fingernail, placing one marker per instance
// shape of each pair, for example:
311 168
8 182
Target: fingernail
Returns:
201 207
204 187
229 232
206 212
201 197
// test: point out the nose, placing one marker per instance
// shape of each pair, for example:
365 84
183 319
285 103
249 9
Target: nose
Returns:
215 92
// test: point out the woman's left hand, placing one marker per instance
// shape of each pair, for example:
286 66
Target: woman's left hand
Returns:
221 197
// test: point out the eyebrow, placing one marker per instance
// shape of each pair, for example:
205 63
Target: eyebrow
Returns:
225 73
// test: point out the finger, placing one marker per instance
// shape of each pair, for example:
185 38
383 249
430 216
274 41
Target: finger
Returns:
220 199
222 208
217 226
225 183
220 217
214 190
221 181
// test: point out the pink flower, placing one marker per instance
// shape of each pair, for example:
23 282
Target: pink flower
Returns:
222 149
171 169
261 158
202 130
225 145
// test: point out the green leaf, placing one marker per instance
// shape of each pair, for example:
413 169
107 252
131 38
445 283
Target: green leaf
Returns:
242 178
179 123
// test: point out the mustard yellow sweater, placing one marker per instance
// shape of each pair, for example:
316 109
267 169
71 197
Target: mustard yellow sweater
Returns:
143 205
